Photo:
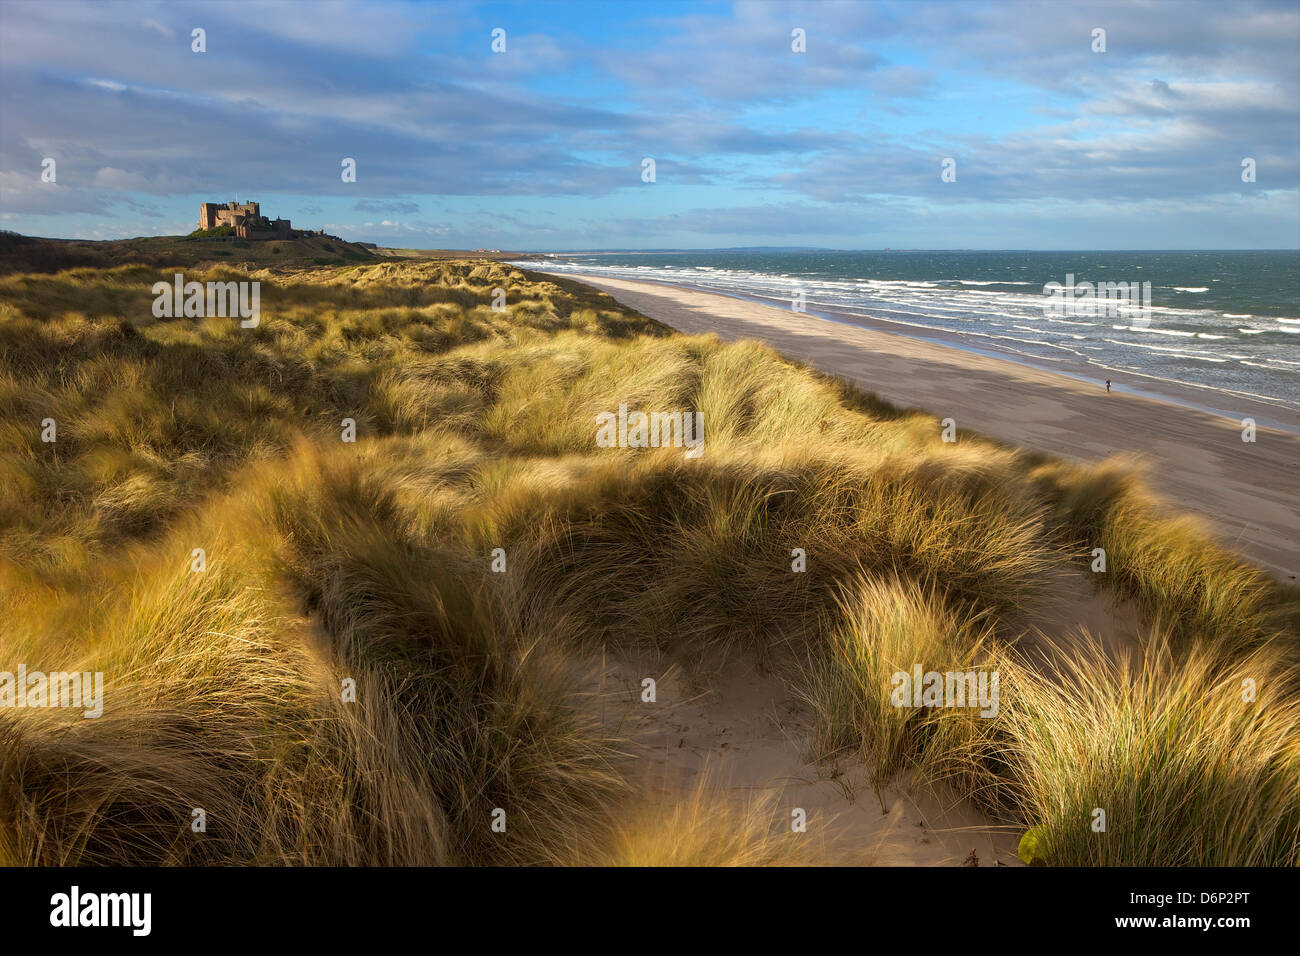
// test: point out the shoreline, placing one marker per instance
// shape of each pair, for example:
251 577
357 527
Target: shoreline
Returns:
1267 413
1248 492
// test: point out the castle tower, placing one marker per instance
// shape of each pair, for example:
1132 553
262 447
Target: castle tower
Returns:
208 215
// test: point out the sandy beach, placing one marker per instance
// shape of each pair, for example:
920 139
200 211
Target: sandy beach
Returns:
1197 460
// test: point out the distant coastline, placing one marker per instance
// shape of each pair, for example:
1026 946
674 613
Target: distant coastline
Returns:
1223 336
1201 398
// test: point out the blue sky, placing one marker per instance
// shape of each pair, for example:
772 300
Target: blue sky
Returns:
541 146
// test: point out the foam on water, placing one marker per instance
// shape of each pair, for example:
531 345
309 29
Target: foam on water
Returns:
1250 350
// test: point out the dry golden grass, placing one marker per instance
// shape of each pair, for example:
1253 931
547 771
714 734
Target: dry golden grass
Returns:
1189 764
371 561
884 627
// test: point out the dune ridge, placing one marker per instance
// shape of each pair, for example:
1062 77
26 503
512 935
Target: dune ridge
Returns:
472 563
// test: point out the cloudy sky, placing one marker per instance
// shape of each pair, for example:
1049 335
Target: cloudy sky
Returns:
542 146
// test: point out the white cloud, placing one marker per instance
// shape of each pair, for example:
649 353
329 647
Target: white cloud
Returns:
109 178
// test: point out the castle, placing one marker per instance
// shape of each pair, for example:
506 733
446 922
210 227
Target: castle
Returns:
246 219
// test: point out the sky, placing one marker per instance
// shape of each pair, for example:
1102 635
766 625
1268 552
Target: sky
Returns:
542 143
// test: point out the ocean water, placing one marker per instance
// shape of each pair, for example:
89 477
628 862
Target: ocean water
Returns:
1223 323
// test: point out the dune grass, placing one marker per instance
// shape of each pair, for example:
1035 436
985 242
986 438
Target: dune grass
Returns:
371 562
705 826
1166 561
1165 760
886 627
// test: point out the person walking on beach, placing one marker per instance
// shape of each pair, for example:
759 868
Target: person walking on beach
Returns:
1108 385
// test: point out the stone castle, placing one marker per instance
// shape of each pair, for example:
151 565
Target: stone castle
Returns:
246 218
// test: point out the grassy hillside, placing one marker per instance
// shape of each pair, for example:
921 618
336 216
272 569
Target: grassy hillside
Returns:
328 562
30 254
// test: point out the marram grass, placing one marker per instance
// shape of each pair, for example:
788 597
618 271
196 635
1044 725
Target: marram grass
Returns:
331 563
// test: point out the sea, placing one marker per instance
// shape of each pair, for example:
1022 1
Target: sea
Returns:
1222 327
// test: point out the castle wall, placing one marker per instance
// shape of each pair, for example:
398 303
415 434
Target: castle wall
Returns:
263 229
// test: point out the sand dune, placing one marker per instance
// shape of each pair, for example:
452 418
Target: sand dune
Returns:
1250 492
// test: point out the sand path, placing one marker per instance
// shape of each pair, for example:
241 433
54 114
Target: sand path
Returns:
737 730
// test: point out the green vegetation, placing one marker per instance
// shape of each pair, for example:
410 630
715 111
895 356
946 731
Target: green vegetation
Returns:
216 232
329 561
